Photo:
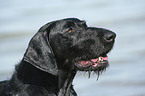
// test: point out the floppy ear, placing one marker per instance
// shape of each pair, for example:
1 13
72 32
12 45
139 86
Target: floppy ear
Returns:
39 52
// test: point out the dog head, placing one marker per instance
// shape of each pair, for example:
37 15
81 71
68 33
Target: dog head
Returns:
82 46
70 43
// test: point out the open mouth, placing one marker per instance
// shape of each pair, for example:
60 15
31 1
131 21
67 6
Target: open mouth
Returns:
99 64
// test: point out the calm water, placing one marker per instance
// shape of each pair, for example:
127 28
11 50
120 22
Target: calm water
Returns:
20 20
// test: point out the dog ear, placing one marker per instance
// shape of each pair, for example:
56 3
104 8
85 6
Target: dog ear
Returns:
39 52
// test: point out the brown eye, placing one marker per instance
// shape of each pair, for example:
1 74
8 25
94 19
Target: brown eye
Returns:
70 30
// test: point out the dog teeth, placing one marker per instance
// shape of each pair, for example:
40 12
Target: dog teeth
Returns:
100 59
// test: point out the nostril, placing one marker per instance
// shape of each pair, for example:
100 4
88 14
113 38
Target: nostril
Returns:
109 36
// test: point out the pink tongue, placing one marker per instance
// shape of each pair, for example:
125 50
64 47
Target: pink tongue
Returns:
95 60
105 58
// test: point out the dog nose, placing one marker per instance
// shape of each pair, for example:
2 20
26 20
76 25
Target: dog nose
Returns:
109 36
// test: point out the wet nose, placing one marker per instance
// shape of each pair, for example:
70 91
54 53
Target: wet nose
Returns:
109 36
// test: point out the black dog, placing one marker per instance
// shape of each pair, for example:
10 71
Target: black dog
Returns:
54 55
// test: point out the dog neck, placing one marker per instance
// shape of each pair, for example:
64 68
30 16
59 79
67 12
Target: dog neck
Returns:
65 81
30 75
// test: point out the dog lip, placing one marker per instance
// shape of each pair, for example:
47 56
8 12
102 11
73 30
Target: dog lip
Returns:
84 63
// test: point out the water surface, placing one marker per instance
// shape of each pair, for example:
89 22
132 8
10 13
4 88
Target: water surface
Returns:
20 20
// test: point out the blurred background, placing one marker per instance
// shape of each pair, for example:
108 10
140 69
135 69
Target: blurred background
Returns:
20 20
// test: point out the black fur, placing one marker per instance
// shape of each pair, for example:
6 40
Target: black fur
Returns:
51 59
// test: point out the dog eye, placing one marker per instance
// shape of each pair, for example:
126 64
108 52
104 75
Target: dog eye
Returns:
70 30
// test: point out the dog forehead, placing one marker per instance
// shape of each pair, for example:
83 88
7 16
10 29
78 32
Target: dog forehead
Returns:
71 21
61 26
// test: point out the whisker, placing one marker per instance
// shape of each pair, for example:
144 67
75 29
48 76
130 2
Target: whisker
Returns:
89 72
